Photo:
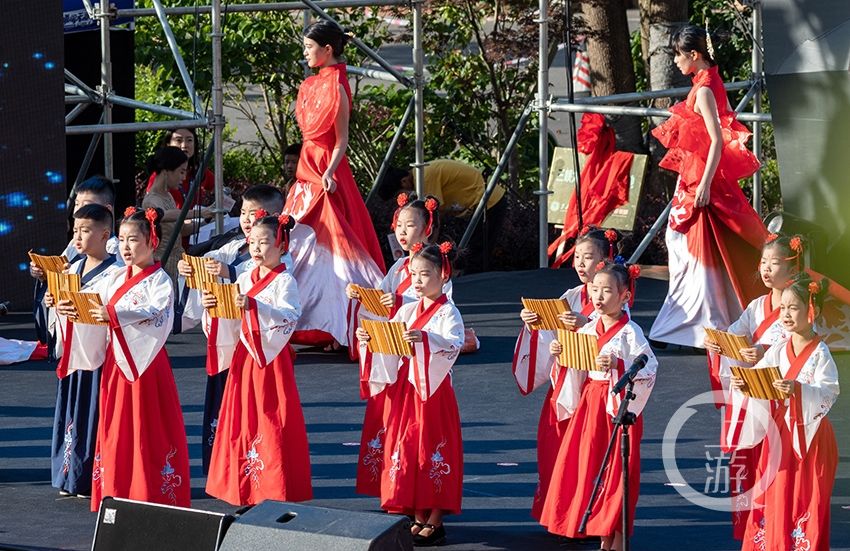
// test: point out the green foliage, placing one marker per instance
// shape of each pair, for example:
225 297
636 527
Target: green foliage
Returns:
149 89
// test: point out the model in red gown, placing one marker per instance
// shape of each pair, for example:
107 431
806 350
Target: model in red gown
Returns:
334 243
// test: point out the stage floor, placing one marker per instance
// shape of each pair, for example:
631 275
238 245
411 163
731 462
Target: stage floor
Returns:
499 429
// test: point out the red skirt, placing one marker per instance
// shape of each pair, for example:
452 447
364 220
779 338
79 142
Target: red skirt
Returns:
423 453
796 504
370 463
260 450
550 434
577 465
743 466
141 450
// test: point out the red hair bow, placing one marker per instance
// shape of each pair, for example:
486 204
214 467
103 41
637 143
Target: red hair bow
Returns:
417 248
771 238
634 273
796 245
401 200
282 237
445 249
130 211
260 213
431 205
611 236
600 265
151 216
814 288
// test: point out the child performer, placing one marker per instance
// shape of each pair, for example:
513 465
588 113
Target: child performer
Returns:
760 324
423 457
621 341
83 352
336 243
714 236
141 448
227 262
533 365
797 466
415 223
97 190
260 450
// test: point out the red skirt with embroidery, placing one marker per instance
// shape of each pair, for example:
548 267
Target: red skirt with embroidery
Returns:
260 450
423 452
370 462
550 434
796 504
577 465
141 450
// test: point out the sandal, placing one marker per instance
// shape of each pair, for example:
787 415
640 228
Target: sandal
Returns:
436 537
416 524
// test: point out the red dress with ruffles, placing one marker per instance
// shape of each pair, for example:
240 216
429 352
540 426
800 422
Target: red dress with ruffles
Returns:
711 267
340 220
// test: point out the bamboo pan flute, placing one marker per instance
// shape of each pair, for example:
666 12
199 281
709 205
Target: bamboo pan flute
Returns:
58 282
199 272
371 300
225 296
548 309
730 344
578 350
49 263
83 302
759 382
387 337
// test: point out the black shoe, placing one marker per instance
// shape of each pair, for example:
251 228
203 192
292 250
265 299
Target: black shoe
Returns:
436 537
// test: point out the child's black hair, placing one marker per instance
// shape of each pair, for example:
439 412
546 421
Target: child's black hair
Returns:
269 197
95 212
435 254
805 288
428 209
138 217
100 186
599 238
283 223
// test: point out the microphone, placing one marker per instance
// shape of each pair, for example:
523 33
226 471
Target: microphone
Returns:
630 374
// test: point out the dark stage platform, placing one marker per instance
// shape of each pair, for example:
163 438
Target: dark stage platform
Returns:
498 427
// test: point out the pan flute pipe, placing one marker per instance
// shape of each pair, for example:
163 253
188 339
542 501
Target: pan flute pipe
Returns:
83 302
371 300
199 272
758 382
578 350
49 263
387 337
548 309
730 344
57 282
225 296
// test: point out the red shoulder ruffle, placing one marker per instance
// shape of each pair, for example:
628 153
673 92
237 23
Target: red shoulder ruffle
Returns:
318 103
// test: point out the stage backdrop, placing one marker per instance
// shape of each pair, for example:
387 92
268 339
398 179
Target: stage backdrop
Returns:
32 141
807 57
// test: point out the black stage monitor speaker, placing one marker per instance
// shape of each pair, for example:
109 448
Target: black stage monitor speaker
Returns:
279 526
127 525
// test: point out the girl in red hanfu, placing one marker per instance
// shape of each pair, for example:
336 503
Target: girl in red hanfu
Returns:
415 222
534 366
141 450
423 453
335 243
761 326
583 446
799 456
260 450
82 351
714 236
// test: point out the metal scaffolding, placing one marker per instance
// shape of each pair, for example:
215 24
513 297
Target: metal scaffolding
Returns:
80 95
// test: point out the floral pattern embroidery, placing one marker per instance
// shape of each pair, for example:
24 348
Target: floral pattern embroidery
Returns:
439 467
373 459
396 459
801 543
254 465
97 472
170 480
213 428
760 538
69 447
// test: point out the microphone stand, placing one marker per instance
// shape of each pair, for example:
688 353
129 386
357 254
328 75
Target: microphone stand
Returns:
623 420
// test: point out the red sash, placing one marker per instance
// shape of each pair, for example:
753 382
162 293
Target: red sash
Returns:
586 305
771 314
251 320
797 364
423 316
131 281
604 336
